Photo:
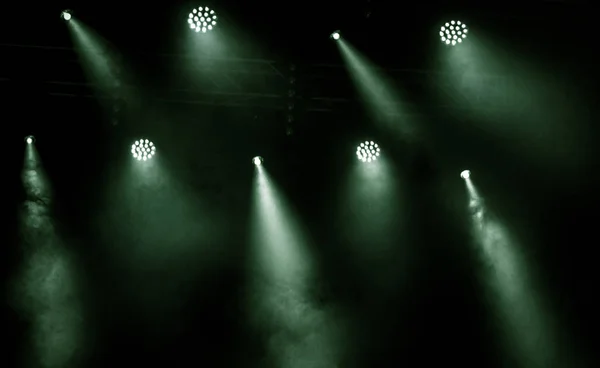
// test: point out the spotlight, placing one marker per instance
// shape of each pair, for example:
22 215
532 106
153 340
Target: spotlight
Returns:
257 160
143 150
453 32
202 19
465 174
335 35
66 15
29 139
367 151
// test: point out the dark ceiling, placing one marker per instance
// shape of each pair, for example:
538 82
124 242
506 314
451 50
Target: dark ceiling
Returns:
208 141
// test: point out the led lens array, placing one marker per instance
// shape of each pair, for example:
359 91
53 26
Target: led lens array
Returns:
453 32
143 150
367 151
202 19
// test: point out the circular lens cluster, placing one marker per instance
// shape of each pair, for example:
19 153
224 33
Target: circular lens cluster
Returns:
453 32
367 151
257 160
143 150
202 19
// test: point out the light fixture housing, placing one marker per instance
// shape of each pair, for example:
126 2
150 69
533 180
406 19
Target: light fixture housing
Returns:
30 139
454 32
257 161
465 174
143 150
368 151
66 15
335 35
202 19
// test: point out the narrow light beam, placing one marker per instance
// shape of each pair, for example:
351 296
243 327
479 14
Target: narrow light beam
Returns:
103 65
531 327
379 93
281 280
45 288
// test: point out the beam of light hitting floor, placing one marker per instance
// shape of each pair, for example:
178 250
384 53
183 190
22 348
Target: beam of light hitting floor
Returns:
101 63
302 332
370 216
380 95
514 102
45 289
529 331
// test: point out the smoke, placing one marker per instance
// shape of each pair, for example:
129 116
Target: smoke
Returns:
300 332
47 299
44 291
523 317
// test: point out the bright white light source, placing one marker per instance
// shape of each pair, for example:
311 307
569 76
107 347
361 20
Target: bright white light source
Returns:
453 32
66 15
202 19
335 35
257 160
143 150
367 151
465 174
29 139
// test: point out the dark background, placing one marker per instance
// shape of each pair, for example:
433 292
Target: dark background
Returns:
442 318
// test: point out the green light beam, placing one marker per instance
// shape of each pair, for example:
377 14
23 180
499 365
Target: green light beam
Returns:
381 96
301 331
529 330
44 289
537 114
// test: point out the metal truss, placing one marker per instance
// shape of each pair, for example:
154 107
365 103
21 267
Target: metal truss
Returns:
57 72
227 82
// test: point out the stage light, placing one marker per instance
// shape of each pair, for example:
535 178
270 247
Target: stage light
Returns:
465 174
29 139
453 32
367 151
143 150
335 35
66 15
202 19
257 160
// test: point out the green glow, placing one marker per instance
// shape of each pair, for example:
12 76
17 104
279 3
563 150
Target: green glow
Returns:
301 331
527 326
44 290
381 96
527 110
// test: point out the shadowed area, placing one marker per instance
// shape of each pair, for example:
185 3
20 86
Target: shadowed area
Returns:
356 242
